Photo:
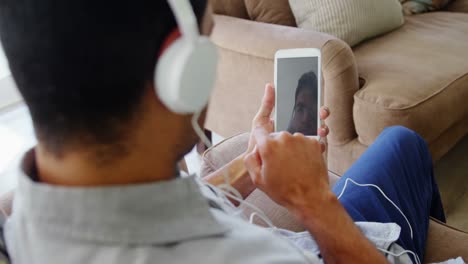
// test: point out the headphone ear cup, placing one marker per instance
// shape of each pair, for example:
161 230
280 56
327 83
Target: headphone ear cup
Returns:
185 75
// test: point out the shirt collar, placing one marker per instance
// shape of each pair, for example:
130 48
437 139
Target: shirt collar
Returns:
156 213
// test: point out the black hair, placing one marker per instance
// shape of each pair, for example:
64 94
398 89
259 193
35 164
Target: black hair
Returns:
308 81
82 66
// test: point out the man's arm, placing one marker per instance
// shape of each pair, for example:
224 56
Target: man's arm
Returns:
339 239
291 171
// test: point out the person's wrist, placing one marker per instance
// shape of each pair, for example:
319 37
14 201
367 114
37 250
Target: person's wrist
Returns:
316 209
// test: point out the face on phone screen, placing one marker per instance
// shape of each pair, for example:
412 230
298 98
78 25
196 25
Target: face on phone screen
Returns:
297 95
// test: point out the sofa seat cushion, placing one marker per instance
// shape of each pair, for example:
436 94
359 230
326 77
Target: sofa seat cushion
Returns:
416 76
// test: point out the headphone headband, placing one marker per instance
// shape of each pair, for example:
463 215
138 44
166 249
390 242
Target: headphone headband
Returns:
186 69
185 17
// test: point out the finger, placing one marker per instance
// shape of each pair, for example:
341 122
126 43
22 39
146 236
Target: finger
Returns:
297 134
268 103
262 137
253 165
324 112
323 131
323 145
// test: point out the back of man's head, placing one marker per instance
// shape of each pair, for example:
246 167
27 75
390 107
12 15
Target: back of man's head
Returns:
83 66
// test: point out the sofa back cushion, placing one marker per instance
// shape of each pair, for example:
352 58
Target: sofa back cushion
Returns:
234 8
350 20
273 12
458 6
411 86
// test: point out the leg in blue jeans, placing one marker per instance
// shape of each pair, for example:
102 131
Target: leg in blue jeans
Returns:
399 163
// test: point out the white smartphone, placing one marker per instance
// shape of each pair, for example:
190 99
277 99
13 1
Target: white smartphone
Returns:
298 91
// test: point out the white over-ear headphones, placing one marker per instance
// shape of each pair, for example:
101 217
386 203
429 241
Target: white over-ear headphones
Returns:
186 71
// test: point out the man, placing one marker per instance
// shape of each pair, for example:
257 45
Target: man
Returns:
304 115
101 186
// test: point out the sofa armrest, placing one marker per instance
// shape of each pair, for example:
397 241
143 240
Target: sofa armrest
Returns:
445 242
247 50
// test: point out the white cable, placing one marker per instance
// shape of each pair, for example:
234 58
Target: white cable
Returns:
408 252
226 189
199 131
257 210
384 195
234 194
201 134
252 218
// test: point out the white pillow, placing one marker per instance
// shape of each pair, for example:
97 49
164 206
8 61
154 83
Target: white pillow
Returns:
350 20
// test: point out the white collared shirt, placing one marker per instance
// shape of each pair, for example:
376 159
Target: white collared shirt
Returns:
163 222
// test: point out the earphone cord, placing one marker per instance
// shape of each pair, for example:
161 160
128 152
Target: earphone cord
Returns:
200 133
384 195
408 252
418 261
226 189
232 193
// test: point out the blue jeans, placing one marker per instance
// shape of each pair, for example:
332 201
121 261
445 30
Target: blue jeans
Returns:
399 163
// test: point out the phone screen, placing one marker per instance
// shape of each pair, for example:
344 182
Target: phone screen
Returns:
297 95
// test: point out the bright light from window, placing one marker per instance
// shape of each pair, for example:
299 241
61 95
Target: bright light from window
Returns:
4 70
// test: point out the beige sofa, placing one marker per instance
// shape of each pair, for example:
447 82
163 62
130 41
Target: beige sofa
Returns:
443 242
416 76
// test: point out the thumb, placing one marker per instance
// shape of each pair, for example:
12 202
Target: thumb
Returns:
253 165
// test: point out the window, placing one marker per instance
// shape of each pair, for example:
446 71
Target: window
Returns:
8 94
4 70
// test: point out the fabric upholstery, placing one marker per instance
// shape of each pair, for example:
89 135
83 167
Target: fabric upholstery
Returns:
416 7
246 68
458 6
341 157
352 21
247 49
234 8
424 89
223 153
274 12
443 241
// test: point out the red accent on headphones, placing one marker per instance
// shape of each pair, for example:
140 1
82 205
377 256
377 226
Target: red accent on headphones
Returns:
173 36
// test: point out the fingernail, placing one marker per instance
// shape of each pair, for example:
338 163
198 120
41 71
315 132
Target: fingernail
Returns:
327 109
324 130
